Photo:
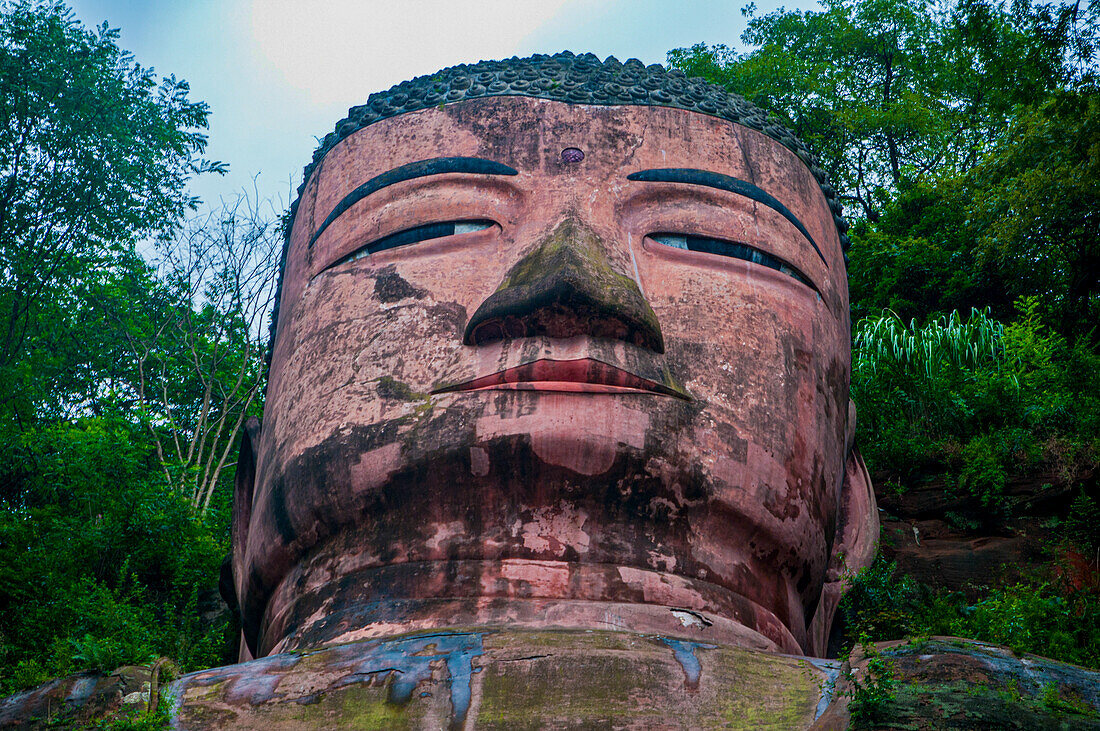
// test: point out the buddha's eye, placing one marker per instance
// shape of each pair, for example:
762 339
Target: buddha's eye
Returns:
413 236
731 249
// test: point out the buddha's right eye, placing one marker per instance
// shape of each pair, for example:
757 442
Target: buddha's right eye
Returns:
413 236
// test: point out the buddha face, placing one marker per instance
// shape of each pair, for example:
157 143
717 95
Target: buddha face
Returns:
553 364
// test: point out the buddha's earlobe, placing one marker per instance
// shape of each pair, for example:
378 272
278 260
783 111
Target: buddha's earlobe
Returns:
243 489
854 544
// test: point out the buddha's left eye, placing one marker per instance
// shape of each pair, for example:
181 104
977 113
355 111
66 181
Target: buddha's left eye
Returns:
414 235
731 249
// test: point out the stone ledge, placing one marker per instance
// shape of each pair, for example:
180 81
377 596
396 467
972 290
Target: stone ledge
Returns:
505 678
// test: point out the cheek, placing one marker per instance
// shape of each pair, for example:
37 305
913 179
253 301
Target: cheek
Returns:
365 346
762 365
745 348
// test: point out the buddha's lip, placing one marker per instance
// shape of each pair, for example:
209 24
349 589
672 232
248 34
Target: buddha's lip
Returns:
583 375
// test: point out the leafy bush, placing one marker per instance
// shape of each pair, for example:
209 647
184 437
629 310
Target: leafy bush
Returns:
1039 618
100 564
879 603
871 695
982 473
1082 522
975 399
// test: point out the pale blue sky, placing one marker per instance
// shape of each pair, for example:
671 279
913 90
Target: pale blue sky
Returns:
278 74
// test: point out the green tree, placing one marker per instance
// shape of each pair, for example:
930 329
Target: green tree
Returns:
200 362
1022 222
95 154
886 91
1036 209
101 560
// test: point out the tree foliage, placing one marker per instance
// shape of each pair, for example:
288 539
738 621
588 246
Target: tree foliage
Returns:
100 565
1036 209
887 91
1022 222
95 154
110 542
200 361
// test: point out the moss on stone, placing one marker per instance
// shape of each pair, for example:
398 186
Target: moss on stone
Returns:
205 692
391 388
357 706
589 679
766 691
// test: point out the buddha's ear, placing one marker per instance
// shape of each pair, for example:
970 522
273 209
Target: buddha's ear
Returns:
243 489
854 543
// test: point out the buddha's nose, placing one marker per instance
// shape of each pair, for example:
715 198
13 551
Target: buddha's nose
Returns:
566 287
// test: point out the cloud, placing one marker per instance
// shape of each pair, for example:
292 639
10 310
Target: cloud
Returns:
341 50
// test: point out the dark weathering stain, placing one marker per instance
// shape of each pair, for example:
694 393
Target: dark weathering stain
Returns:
295 493
503 137
389 286
448 317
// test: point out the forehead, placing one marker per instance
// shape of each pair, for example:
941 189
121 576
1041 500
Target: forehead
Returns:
530 134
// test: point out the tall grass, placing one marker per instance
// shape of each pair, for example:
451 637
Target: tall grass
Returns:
886 341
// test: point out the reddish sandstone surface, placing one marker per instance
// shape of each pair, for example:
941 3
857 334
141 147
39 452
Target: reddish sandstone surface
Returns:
550 418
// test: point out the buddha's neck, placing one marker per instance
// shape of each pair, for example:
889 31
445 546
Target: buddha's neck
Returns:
315 608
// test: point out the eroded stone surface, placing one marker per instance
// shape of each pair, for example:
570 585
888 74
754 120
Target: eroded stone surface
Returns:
488 678
551 417
951 683
77 699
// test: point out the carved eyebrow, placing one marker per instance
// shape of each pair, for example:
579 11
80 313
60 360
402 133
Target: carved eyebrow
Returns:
724 182
419 169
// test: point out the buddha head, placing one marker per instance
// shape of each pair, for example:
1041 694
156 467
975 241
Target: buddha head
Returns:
560 343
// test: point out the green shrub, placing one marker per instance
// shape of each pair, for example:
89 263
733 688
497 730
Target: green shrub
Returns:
975 400
1082 525
1038 618
100 563
872 694
982 473
880 603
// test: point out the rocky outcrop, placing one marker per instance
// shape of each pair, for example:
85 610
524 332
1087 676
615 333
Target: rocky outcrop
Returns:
951 541
942 556
77 699
950 683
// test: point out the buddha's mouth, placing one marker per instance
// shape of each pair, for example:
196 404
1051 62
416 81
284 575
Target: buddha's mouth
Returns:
583 375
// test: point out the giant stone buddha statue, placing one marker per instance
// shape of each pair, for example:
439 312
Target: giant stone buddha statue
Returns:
562 346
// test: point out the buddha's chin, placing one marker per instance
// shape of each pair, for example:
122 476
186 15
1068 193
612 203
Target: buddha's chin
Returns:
463 594
495 532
